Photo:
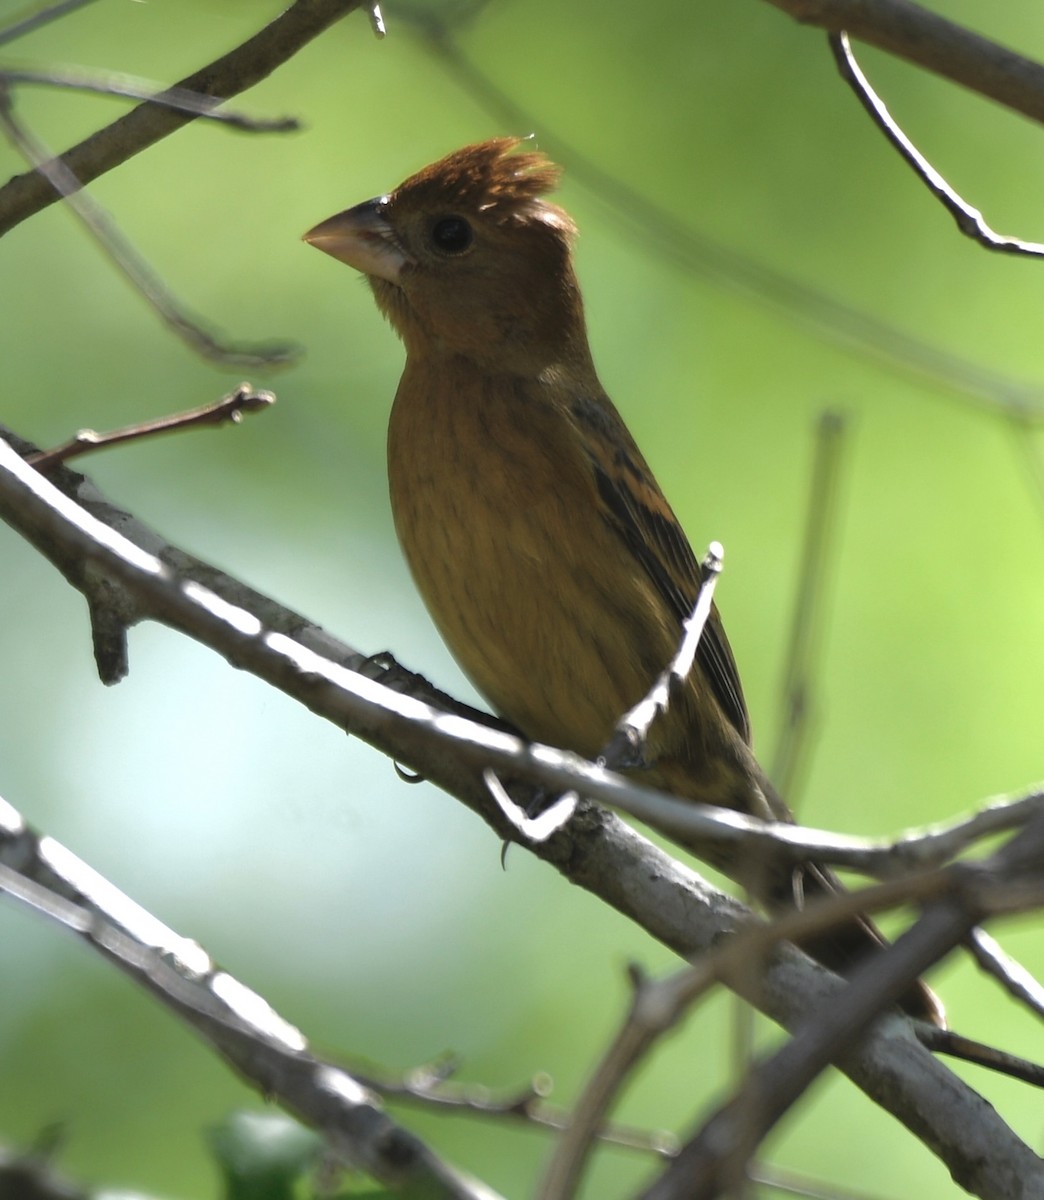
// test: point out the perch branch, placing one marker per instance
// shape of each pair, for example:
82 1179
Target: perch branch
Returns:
600 853
152 579
956 897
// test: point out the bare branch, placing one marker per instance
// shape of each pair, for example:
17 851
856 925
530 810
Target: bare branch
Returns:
229 409
626 747
931 41
969 220
1012 976
234 1021
431 1085
227 76
130 263
807 619
132 87
689 249
43 17
148 578
598 853
718 1153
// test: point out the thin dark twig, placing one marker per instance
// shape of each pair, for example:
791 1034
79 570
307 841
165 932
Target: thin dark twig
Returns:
432 1084
224 77
229 408
969 220
132 87
947 1041
123 255
54 13
806 629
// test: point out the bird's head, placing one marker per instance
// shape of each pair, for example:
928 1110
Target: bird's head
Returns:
467 258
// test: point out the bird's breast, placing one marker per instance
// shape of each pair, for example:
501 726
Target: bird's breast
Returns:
497 512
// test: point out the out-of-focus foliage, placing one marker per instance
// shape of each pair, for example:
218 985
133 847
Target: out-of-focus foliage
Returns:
376 915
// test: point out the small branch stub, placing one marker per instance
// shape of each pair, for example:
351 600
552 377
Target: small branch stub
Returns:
229 408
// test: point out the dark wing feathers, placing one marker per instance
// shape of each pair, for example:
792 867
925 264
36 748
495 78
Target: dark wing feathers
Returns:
644 521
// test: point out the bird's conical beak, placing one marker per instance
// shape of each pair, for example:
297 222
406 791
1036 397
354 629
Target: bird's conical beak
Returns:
362 238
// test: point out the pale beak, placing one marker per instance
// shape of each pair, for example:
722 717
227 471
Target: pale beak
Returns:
363 239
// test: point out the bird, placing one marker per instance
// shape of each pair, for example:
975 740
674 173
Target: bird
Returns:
544 549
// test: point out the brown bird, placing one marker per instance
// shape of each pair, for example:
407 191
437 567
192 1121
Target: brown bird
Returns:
549 559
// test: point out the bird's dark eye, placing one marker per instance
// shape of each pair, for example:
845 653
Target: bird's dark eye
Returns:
452 235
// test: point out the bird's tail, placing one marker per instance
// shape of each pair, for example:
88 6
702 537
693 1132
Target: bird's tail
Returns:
843 946
849 944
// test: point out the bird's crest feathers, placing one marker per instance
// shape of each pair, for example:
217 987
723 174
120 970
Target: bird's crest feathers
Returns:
489 178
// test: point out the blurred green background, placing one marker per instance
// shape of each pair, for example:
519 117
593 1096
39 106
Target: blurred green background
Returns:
375 915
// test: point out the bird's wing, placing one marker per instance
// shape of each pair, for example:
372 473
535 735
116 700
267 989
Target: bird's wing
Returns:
637 510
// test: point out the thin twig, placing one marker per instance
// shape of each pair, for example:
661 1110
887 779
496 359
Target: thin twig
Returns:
969 220
133 87
535 826
1011 975
432 1085
229 409
645 1022
793 1184
802 647
226 76
54 13
627 745
808 619
123 255
947 1041
373 10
